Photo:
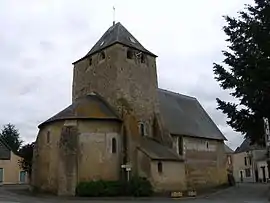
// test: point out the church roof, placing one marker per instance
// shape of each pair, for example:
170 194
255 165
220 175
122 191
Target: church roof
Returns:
117 33
92 106
183 115
228 150
247 146
157 151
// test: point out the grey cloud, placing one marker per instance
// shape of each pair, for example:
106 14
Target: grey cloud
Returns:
39 42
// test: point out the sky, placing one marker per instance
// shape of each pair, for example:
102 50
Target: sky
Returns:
39 40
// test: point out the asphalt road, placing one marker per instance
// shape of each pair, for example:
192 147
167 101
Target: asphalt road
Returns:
243 193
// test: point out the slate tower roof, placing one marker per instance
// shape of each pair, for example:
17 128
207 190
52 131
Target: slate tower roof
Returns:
117 34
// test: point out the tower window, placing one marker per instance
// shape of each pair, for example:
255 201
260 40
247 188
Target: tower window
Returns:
159 167
113 145
129 54
102 55
48 137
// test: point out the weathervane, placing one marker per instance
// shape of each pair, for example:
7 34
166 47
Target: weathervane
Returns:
113 15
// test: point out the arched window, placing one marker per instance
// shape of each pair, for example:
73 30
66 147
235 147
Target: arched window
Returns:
48 137
160 168
102 55
129 54
113 145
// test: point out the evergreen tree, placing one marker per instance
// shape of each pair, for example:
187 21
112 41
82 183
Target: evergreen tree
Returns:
245 70
11 136
26 152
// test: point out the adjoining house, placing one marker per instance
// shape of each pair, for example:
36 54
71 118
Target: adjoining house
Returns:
10 171
249 163
229 153
120 124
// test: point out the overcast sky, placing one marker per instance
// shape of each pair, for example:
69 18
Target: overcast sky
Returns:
40 39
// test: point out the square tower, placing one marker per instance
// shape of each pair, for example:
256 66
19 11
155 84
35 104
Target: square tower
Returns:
119 68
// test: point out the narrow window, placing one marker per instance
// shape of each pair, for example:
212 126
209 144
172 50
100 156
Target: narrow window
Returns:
249 160
113 145
48 137
180 145
90 62
142 130
207 145
142 58
159 166
129 54
102 55
245 161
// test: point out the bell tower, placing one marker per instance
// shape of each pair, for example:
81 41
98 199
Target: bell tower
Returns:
119 67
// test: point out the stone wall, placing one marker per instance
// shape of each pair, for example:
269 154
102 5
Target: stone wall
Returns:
73 152
96 158
205 161
117 77
172 177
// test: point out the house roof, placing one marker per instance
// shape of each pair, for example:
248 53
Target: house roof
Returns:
183 115
92 106
156 151
117 33
228 150
246 146
6 145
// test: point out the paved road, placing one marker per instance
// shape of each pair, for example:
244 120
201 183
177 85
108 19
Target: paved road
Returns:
244 193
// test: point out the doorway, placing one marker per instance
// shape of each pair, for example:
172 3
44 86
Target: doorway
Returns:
22 176
1 175
263 173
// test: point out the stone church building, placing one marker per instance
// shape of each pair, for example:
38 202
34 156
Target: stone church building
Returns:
121 124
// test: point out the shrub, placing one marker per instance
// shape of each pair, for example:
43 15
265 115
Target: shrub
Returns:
139 186
135 187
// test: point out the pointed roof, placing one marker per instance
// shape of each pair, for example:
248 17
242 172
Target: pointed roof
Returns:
117 34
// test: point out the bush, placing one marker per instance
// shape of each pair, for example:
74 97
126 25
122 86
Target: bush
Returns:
135 187
139 187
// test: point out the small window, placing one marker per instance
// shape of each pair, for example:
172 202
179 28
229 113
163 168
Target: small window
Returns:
180 145
113 145
245 161
250 161
142 129
102 55
247 172
207 145
160 168
129 54
48 137
90 61
142 58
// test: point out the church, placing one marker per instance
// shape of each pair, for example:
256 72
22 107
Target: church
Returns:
121 124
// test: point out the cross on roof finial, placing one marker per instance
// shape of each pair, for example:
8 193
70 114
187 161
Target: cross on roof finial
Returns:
113 15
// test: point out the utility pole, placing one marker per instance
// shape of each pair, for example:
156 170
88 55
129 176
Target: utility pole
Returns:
267 142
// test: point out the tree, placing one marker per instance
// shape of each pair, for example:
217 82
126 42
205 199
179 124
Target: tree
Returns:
246 70
11 136
26 152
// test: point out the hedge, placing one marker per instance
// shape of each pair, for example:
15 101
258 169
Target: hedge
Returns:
135 187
